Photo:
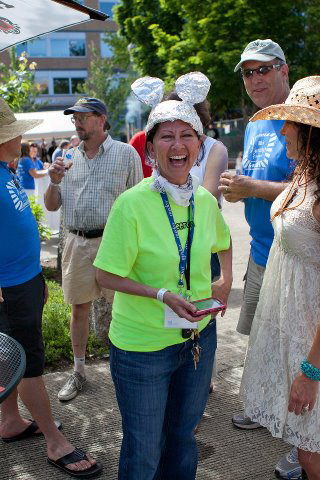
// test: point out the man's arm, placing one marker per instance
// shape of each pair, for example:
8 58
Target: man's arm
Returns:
135 175
236 187
52 196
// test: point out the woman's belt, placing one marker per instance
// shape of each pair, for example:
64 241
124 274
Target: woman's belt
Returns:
88 233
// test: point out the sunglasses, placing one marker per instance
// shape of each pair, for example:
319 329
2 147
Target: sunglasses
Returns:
263 70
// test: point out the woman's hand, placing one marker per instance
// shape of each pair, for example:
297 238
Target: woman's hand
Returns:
221 290
303 394
181 307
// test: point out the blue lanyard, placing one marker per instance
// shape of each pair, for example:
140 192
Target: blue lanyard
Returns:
183 253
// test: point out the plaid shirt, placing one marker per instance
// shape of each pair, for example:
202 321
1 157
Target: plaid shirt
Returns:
90 187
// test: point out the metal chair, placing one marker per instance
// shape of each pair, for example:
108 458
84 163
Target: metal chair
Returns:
12 365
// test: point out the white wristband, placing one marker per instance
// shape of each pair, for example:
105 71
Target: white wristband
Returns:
160 294
51 184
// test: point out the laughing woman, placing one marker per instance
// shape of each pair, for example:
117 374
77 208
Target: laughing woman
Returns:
155 253
280 385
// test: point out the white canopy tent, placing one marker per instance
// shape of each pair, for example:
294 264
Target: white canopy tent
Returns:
55 124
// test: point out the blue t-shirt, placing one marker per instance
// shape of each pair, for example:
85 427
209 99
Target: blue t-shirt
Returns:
25 164
264 158
57 153
19 235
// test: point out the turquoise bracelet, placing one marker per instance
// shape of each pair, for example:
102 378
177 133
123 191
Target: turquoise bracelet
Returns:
310 371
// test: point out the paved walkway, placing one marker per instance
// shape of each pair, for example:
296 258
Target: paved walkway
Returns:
92 420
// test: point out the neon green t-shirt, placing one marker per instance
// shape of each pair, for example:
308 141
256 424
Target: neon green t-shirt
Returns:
138 243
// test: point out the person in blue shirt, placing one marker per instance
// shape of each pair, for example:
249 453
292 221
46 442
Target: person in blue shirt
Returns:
22 296
265 171
30 167
63 145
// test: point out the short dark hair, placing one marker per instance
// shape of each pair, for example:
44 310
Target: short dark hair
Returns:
63 143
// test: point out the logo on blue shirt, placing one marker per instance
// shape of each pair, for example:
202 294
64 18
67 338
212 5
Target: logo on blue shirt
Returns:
259 151
19 197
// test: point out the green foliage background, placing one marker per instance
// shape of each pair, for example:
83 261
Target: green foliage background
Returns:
37 210
17 86
110 78
173 37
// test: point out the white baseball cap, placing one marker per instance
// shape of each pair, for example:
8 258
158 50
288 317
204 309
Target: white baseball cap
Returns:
261 50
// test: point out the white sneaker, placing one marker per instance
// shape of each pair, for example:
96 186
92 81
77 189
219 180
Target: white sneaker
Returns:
74 385
288 467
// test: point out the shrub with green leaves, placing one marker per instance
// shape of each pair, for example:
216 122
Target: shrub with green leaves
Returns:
56 329
55 326
37 210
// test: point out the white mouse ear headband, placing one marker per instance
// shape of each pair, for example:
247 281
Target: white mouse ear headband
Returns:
192 88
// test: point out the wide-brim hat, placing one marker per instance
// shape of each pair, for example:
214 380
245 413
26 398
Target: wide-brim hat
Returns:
301 106
10 127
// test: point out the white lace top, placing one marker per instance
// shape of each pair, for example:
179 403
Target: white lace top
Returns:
285 324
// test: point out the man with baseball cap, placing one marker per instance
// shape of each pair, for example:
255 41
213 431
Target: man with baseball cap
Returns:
22 296
265 168
102 169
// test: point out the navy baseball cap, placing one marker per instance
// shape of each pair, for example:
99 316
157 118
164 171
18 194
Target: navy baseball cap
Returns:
86 105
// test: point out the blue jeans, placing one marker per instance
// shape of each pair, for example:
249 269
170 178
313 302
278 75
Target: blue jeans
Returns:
161 399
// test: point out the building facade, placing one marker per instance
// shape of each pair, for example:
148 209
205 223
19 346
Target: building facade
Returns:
63 57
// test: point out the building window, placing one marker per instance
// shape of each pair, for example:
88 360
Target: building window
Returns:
58 44
43 82
106 6
34 48
105 49
60 82
77 84
61 85
67 48
67 85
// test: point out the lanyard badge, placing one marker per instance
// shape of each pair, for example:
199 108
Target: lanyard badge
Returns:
184 253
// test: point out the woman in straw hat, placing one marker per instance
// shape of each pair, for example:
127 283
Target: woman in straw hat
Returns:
155 253
282 371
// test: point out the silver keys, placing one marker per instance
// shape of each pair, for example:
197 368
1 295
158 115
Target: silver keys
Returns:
196 349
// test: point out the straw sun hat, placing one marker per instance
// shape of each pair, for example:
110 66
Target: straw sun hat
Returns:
10 127
302 104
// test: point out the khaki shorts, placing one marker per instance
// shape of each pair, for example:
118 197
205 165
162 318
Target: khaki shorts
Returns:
252 287
78 273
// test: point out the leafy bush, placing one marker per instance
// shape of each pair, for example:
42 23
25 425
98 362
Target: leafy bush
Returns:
55 326
56 330
37 210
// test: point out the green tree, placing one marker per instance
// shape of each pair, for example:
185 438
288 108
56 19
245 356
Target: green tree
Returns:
110 79
172 37
17 84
